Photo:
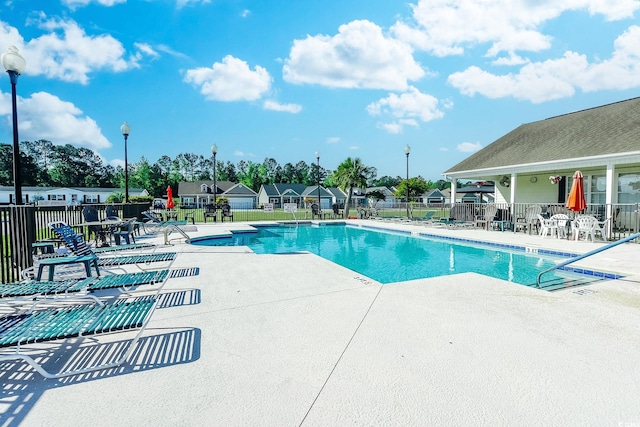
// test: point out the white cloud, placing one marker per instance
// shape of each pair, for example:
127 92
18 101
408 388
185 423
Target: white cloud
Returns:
469 147
407 108
239 153
559 78
144 48
74 4
167 49
45 116
182 3
117 162
245 13
447 27
510 60
287 108
230 80
333 139
391 127
359 56
68 53
354 147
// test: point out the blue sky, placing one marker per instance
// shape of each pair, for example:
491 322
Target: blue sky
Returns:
287 78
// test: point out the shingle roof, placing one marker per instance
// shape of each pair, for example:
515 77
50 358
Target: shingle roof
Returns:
608 129
192 188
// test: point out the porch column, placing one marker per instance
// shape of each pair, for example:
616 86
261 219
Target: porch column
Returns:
454 186
610 190
512 195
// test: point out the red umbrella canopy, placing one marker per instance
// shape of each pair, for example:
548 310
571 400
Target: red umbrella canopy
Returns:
576 201
170 204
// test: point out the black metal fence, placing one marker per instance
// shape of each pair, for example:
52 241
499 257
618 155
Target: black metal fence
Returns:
21 226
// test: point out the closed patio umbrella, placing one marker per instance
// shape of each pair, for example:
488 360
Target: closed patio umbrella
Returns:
170 204
576 201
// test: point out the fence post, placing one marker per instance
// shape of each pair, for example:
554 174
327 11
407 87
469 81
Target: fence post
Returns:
22 233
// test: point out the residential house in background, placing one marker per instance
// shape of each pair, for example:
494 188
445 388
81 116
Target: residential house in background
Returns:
433 197
64 196
280 193
389 201
339 196
199 193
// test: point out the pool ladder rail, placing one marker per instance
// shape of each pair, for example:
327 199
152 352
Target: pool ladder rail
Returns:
583 256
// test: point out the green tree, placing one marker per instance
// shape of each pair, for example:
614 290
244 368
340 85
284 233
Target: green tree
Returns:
386 181
301 174
352 173
417 187
376 196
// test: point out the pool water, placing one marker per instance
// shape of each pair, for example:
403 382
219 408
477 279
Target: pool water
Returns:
392 257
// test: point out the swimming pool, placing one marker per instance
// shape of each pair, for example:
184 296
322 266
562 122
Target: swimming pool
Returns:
387 256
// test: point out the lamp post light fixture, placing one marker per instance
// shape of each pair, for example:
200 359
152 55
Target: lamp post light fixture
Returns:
126 130
318 179
15 64
407 150
214 151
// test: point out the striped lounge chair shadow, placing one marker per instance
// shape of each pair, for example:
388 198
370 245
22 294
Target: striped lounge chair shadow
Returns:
19 330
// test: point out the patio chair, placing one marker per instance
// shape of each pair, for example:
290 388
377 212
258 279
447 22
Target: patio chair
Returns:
530 219
80 248
90 214
460 215
111 211
210 211
487 217
602 227
584 224
316 211
35 289
190 216
547 226
336 211
125 231
155 223
226 212
426 219
17 330
561 220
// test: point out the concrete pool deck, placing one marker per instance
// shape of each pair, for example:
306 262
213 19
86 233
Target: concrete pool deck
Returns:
288 340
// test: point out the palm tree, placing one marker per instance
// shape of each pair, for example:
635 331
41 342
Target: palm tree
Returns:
352 173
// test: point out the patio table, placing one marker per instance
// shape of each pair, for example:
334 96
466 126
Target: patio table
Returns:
104 227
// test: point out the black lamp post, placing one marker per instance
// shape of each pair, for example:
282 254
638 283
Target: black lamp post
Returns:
407 150
318 179
126 130
15 64
214 151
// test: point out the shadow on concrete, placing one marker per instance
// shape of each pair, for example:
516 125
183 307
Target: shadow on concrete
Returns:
22 386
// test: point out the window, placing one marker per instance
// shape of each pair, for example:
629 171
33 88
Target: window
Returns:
629 188
598 189
91 198
56 197
204 188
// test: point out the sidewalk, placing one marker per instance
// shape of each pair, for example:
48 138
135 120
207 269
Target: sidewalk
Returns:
288 340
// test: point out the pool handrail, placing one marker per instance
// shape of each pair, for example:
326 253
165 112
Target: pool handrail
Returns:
585 255
174 227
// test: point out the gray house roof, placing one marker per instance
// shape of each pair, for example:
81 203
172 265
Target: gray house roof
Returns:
606 130
337 193
192 188
279 189
312 191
